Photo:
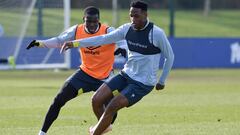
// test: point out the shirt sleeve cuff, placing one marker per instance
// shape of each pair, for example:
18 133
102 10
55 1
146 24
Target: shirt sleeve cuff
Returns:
76 44
41 44
161 82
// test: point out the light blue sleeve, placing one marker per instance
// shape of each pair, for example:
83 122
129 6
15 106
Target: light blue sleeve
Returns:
120 44
57 42
68 34
162 42
112 37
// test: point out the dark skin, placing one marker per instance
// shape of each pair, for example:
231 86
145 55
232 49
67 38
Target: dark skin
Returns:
138 18
91 22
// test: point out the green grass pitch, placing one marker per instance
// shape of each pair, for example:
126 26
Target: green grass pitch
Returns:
194 102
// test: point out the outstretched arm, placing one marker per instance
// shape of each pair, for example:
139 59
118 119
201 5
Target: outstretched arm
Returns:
55 42
112 37
121 46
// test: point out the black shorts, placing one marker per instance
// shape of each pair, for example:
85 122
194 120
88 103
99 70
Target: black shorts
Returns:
133 90
83 82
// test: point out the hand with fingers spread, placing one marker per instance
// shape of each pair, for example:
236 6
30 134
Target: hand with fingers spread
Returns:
34 43
66 46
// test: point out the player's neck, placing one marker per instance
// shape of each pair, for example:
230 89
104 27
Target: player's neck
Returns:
143 26
86 29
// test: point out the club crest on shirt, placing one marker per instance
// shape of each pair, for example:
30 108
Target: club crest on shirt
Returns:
93 47
92 50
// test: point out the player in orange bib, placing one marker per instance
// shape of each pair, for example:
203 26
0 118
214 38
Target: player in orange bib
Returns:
96 61
96 67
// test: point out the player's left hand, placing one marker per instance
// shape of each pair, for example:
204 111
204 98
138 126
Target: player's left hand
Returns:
66 46
33 44
159 86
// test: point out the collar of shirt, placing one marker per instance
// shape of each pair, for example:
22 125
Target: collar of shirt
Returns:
89 32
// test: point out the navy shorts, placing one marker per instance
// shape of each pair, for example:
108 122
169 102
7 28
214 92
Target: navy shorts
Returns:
133 90
83 82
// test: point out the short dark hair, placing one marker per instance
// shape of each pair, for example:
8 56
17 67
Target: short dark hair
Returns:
139 4
91 10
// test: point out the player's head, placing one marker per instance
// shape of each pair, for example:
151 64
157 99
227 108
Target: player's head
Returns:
138 13
91 18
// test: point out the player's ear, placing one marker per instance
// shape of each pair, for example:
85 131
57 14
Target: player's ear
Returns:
83 19
145 13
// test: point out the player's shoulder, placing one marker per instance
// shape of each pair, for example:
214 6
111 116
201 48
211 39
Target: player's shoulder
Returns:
157 30
72 28
69 31
107 27
110 29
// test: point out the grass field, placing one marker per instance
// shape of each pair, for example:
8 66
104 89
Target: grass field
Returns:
195 102
188 23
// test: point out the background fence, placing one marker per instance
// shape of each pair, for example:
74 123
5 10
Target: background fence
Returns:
203 28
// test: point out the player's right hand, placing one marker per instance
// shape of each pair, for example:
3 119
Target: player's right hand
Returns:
159 86
66 46
33 44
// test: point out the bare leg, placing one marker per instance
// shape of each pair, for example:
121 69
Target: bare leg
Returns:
116 104
101 96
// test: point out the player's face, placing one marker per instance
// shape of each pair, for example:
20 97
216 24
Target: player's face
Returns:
138 17
91 22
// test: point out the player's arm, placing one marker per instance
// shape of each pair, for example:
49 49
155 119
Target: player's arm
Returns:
167 53
112 37
55 42
121 46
